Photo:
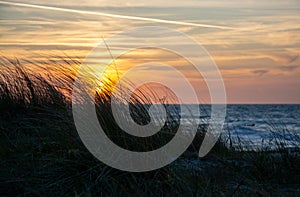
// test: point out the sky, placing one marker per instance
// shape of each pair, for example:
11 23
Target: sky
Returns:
257 55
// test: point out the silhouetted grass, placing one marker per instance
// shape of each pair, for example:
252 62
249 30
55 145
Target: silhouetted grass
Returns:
41 153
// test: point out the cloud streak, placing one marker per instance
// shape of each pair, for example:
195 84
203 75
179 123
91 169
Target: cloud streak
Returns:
260 72
113 15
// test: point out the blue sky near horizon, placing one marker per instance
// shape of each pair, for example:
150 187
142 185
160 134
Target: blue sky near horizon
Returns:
258 58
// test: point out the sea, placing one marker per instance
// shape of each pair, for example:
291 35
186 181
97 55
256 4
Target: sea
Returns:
255 126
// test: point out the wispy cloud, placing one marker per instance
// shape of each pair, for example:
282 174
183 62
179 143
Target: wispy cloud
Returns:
260 72
114 15
288 68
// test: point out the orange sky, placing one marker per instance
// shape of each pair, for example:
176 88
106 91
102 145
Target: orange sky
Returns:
258 58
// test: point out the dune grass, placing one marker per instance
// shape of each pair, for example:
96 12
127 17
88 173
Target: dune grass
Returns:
41 153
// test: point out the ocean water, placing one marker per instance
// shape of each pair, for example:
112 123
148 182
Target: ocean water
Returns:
255 125
246 126
264 125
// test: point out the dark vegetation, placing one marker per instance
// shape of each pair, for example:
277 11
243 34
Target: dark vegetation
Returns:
41 153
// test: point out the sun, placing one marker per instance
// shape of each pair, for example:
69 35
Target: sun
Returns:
105 85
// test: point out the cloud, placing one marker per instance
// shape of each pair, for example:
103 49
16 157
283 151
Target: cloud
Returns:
119 16
288 68
173 3
283 57
260 72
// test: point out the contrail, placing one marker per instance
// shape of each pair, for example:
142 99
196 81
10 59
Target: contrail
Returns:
113 15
